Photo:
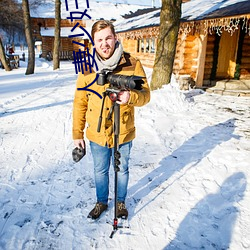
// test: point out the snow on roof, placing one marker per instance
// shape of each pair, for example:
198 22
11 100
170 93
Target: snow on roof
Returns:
96 10
197 9
65 32
192 10
38 42
146 20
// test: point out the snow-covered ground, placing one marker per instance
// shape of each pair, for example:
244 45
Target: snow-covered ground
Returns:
189 170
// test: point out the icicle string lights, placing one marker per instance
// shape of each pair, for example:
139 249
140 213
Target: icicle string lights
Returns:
218 25
246 25
151 32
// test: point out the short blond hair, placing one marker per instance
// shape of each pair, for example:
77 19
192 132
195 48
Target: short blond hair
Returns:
100 25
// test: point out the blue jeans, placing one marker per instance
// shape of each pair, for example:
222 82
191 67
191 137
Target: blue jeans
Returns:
102 157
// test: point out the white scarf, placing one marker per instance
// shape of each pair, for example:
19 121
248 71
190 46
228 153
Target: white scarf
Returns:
111 63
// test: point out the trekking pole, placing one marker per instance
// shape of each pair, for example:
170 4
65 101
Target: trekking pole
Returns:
117 156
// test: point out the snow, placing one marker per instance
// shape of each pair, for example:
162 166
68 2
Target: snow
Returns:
145 20
156 3
192 10
65 32
196 9
97 10
189 169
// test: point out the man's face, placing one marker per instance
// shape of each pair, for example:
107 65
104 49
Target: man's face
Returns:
105 43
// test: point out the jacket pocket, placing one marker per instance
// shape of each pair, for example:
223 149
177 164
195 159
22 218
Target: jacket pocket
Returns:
127 120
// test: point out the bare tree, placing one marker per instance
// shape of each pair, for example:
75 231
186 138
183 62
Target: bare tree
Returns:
3 57
28 33
168 34
11 17
11 21
56 59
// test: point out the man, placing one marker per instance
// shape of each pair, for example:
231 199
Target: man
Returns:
11 50
109 56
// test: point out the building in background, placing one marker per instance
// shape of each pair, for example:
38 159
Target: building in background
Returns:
213 41
43 22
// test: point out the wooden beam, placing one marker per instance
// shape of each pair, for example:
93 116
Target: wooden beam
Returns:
201 60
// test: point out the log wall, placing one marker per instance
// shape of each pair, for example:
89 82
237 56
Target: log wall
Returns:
186 56
66 45
209 57
48 42
132 46
179 59
245 60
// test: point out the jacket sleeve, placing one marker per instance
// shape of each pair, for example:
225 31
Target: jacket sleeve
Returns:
80 106
141 97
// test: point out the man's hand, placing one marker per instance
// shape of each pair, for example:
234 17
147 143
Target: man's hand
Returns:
123 97
79 151
79 143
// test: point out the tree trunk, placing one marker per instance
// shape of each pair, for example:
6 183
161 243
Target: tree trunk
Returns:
3 57
168 34
29 38
56 59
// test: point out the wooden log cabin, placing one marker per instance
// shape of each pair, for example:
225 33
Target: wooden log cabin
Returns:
211 45
42 19
43 30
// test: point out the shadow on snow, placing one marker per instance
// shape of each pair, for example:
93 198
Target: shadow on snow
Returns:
210 223
209 215
23 110
190 153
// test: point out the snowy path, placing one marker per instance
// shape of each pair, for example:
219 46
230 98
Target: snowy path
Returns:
189 172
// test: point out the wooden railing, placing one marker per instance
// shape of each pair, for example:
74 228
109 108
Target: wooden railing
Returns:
63 55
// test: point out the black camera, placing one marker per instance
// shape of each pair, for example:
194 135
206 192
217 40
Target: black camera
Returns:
120 81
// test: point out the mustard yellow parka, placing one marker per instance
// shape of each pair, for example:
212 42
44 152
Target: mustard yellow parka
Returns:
87 106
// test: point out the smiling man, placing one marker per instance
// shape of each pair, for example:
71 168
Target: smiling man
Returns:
110 57
105 40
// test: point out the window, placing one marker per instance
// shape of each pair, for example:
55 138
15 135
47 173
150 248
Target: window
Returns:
146 45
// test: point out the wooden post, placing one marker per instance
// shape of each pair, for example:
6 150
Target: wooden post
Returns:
201 60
